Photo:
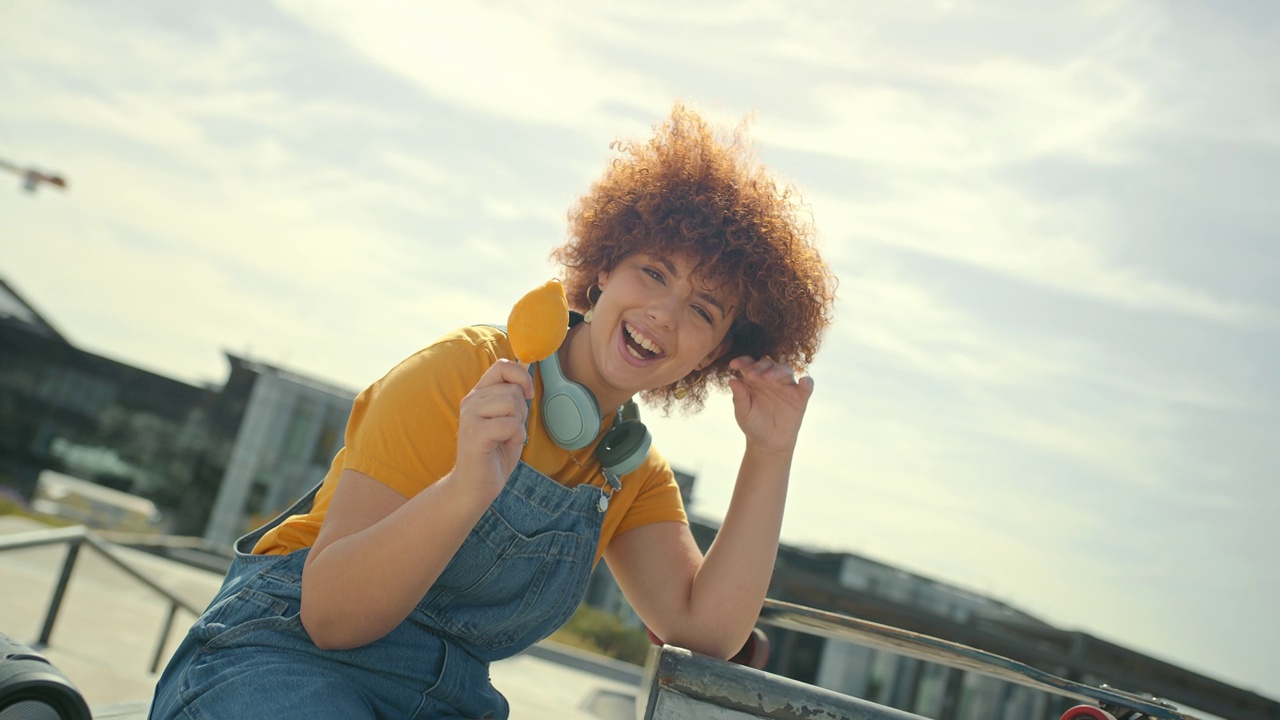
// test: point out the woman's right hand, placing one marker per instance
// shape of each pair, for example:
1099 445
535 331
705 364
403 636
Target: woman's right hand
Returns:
491 426
379 551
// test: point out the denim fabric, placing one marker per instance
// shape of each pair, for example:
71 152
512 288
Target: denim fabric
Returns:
518 576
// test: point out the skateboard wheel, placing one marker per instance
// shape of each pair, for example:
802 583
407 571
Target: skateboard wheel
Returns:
1087 712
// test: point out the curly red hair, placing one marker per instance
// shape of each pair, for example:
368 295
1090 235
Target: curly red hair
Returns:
686 191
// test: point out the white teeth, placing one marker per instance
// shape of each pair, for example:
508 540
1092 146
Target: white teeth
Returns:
642 341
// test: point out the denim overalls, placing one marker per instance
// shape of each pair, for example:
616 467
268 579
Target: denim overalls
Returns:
518 576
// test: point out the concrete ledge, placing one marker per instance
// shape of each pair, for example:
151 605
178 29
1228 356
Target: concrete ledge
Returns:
136 710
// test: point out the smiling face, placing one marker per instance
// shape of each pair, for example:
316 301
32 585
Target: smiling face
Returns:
655 322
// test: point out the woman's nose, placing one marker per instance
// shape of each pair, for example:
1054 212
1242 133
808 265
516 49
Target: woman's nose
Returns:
662 310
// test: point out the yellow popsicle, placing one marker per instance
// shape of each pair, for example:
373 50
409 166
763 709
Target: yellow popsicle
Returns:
538 322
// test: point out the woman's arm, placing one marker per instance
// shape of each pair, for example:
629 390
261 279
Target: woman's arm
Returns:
710 604
378 553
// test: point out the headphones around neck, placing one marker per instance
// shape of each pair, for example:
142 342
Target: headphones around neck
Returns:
572 417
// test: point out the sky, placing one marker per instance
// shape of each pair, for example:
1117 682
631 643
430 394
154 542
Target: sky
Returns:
1051 374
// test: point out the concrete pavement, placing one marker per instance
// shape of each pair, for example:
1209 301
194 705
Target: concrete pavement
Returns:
108 629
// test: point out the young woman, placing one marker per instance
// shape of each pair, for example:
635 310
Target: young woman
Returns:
460 522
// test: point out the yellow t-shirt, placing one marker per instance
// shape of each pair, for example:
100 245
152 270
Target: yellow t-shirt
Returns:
403 432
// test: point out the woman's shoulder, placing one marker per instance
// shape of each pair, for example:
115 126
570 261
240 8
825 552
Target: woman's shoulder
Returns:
482 343
655 469
463 354
487 340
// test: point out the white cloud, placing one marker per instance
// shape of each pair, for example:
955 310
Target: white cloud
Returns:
508 61
988 223
891 313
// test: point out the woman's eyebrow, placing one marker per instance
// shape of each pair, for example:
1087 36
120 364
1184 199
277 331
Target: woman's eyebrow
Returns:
703 294
711 300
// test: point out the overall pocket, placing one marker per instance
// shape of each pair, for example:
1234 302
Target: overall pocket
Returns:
504 588
238 613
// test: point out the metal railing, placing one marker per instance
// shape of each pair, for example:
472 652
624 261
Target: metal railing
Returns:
681 684
74 538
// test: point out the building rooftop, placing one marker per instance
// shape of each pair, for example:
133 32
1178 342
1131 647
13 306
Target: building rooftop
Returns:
15 309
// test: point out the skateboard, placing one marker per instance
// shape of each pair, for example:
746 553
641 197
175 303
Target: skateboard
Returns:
1110 703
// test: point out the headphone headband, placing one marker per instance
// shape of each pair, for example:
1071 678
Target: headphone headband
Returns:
572 418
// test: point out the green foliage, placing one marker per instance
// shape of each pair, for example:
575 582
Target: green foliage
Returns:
601 632
10 504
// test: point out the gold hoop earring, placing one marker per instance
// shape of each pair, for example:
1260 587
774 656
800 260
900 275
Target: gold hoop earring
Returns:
591 303
685 385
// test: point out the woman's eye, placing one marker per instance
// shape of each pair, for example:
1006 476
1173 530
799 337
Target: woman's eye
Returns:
653 274
705 315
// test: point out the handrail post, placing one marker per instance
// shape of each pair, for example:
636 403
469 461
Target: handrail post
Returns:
164 636
55 603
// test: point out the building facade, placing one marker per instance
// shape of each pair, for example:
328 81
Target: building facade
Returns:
214 460
924 688
80 414
290 427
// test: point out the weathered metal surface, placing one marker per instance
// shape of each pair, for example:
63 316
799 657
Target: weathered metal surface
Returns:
674 705
680 684
943 652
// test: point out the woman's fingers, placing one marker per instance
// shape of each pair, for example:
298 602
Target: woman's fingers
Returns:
497 401
504 372
764 369
497 408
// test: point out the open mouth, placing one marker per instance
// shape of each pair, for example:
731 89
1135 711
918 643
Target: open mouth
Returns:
640 347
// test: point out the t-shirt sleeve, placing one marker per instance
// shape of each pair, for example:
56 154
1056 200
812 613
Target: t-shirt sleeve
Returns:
659 498
403 429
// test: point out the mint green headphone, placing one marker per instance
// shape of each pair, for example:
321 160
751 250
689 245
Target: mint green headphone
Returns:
572 418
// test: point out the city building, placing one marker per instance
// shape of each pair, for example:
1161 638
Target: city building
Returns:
866 589
213 460
289 429
75 412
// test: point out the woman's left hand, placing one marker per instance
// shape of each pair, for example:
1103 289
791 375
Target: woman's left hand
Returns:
769 402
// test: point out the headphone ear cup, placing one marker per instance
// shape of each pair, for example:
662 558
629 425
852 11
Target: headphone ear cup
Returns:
571 416
624 447
569 410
